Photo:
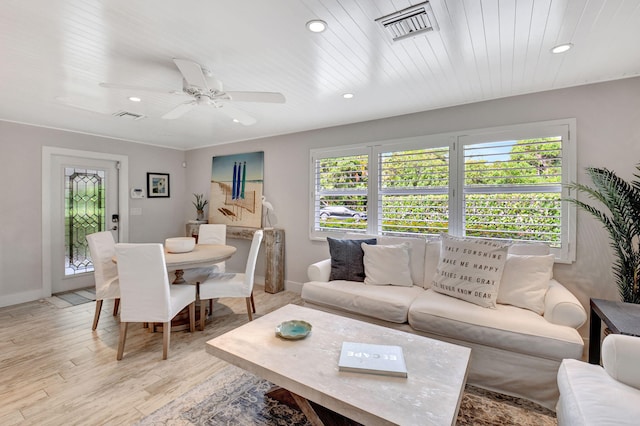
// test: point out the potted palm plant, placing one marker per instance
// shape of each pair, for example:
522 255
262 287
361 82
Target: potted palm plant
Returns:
621 218
200 203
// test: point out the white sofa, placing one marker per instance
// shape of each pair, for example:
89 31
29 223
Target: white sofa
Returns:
593 395
514 351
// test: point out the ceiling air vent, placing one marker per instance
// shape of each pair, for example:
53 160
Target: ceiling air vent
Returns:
410 22
130 115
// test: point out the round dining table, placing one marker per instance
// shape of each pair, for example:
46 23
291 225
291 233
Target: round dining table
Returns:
201 256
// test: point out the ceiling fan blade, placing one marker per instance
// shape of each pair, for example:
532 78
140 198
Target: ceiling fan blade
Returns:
180 110
236 114
271 97
140 88
192 72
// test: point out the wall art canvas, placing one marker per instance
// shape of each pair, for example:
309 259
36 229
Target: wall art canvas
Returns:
236 189
158 185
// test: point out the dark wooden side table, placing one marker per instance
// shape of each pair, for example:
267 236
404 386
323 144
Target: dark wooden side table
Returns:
620 318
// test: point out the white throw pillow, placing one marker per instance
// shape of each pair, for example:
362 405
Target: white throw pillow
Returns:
384 265
525 281
416 254
470 269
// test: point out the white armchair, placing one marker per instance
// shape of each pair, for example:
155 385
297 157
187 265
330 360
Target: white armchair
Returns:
595 395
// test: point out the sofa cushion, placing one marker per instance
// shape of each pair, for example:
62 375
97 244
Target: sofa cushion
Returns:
389 303
346 259
431 259
470 269
525 281
505 327
589 396
387 265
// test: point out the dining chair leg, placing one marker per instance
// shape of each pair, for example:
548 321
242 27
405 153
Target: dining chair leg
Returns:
166 337
121 340
253 304
96 316
116 305
203 314
249 308
192 316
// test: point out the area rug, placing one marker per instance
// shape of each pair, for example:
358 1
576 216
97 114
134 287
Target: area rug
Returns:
73 298
236 397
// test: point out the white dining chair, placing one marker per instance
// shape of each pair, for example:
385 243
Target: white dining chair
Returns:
232 285
211 233
146 295
102 247
214 233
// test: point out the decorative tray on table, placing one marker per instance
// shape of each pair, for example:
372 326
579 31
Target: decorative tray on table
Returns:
293 330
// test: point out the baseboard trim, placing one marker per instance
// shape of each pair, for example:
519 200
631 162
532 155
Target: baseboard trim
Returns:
24 297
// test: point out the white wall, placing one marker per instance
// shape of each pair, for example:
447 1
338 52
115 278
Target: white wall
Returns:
608 127
21 206
608 134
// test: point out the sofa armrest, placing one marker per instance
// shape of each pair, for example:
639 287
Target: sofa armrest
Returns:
562 307
620 356
319 271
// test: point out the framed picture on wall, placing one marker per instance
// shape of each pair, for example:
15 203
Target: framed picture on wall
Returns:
236 189
158 185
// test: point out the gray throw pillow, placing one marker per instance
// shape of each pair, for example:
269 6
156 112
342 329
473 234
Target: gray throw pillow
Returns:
347 259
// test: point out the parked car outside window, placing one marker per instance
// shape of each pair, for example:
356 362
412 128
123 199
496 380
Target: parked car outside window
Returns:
340 212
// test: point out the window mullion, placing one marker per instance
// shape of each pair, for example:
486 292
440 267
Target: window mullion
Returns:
374 204
456 188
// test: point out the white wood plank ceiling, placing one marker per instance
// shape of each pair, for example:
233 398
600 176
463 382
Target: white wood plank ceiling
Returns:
54 54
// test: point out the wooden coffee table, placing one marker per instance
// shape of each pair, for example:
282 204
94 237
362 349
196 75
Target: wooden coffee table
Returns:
308 368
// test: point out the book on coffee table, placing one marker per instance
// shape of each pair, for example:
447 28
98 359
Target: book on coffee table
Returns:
369 358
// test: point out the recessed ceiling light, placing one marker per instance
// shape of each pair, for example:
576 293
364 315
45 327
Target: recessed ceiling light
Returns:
134 99
316 26
235 120
348 95
561 48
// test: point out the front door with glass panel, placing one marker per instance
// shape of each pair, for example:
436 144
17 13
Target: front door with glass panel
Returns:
84 200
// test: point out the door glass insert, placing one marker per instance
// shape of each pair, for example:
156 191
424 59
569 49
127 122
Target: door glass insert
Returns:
84 214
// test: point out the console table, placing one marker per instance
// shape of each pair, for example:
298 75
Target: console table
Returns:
274 251
620 318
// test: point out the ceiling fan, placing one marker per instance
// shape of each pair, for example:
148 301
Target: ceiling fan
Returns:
206 90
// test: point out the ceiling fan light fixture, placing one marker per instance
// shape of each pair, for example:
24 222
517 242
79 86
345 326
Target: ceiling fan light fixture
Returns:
316 26
561 48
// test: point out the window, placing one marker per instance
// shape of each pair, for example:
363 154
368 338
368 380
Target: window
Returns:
341 191
414 191
504 183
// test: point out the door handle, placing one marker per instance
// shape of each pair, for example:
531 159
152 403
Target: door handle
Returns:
114 228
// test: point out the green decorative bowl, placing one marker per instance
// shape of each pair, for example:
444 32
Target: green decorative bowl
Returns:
293 330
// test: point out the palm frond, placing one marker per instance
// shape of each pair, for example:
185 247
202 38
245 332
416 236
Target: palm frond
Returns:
621 219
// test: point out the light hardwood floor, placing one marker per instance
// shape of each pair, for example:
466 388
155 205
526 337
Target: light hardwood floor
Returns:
55 371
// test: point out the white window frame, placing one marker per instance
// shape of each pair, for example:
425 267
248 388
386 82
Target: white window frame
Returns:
456 142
